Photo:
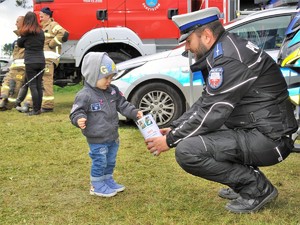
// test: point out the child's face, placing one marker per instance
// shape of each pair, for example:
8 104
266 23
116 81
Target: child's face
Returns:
104 82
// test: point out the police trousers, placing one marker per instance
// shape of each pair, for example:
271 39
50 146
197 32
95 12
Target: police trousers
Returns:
232 157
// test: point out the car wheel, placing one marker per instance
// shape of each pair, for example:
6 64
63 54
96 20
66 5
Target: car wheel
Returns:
161 100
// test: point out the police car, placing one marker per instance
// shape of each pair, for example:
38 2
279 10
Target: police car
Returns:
160 84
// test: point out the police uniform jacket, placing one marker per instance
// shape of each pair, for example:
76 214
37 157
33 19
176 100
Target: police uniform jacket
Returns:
245 89
55 35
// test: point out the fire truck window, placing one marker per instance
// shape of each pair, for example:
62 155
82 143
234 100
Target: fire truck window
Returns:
266 33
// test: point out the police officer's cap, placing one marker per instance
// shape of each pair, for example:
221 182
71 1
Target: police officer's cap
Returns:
187 23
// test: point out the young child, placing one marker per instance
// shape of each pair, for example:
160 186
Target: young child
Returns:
95 112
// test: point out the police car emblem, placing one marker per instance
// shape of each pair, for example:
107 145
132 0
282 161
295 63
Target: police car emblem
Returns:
215 77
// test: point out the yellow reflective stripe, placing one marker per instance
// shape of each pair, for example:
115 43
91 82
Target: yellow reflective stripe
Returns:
291 57
295 99
17 63
57 50
13 65
12 99
4 86
57 41
48 98
51 55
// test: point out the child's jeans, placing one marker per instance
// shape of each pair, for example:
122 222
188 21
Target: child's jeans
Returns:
103 159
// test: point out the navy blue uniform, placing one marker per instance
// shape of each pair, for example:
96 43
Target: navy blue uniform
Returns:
242 120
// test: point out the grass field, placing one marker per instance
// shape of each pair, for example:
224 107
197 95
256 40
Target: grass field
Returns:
44 179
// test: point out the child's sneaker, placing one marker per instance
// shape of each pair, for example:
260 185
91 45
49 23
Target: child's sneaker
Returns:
113 185
100 188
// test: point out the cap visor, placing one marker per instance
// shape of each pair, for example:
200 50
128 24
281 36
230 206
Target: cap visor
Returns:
185 36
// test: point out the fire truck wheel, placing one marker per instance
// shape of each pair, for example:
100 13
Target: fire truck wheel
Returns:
118 56
161 100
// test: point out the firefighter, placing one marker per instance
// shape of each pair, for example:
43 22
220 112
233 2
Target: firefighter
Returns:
14 79
55 35
244 119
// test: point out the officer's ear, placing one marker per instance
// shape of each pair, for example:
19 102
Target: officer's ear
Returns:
208 37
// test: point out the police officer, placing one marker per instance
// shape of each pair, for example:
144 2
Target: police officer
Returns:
55 35
243 120
14 79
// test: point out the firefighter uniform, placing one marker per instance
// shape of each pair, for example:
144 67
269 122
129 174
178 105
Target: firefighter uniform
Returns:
55 35
13 80
243 119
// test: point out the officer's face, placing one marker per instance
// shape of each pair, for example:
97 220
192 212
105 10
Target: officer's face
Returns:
196 44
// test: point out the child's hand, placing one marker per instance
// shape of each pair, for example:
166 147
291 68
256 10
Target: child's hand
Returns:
139 114
81 123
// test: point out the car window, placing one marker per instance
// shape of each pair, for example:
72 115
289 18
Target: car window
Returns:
265 33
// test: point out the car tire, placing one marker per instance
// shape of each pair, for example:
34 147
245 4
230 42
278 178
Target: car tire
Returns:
161 100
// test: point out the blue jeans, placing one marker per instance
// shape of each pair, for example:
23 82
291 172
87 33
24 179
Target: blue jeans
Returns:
103 159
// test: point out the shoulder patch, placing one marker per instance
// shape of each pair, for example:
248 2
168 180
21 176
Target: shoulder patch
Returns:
218 50
215 77
113 91
95 107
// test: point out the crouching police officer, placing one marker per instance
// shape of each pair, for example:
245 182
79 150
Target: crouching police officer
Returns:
14 79
243 120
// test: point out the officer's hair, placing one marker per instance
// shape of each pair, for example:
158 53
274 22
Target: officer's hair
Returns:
216 28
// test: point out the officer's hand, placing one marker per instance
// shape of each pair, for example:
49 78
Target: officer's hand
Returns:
157 145
81 123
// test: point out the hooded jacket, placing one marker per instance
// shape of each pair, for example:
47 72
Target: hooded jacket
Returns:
99 107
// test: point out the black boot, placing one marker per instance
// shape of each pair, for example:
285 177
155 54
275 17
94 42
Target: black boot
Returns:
228 193
242 205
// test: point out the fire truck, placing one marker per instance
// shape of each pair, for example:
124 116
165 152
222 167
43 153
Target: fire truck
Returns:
124 29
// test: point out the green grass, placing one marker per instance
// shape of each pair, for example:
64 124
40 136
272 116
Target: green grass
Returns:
44 179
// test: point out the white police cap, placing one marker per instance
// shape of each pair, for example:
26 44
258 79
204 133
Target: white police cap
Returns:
187 23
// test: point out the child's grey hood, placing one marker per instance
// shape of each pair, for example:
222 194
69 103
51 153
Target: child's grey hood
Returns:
97 65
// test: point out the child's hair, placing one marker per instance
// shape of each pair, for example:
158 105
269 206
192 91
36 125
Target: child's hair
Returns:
30 25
